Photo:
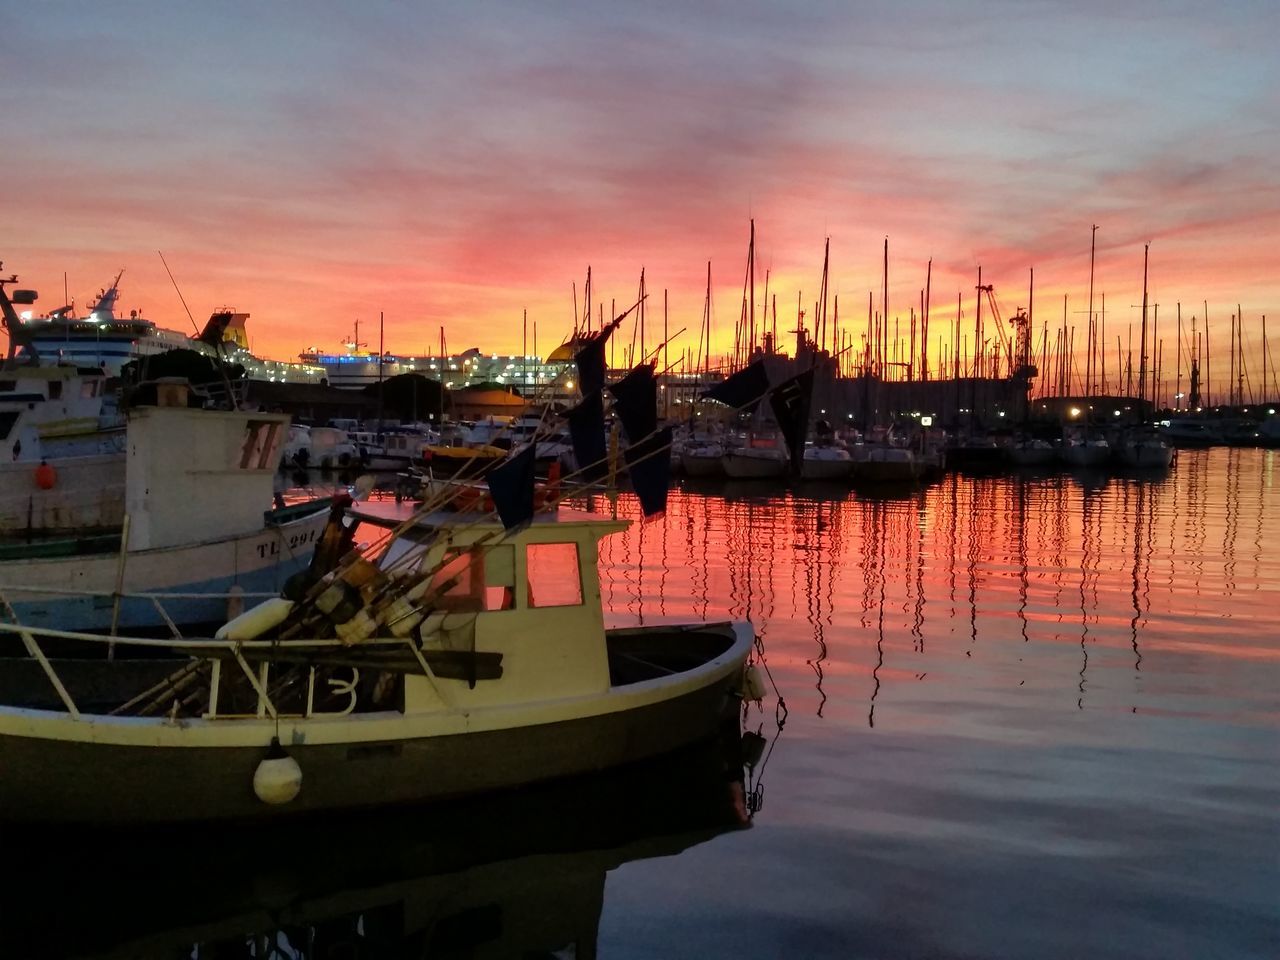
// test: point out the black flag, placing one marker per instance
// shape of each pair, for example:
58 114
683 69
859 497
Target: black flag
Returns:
590 359
649 466
790 402
742 388
586 430
636 402
511 487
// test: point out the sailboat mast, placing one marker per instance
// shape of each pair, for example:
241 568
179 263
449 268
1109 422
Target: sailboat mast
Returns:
1177 388
1093 237
924 333
977 331
751 265
1142 349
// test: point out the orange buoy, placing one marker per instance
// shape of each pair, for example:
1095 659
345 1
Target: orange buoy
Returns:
46 476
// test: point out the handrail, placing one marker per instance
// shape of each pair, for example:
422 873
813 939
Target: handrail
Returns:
175 643
154 595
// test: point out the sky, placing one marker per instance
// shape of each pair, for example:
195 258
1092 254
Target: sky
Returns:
457 165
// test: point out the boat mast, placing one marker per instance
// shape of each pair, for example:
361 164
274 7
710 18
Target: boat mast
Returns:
924 323
1177 389
1093 237
1142 349
1208 371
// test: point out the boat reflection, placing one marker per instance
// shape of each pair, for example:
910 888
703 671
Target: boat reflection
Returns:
519 874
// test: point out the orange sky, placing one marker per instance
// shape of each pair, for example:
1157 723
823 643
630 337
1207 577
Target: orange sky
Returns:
311 166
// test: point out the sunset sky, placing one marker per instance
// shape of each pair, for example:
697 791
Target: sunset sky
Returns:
313 163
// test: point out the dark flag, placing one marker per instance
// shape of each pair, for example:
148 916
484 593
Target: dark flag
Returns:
790 402
590 359
586 430
511 487
591 367
636 402
742 388
649 466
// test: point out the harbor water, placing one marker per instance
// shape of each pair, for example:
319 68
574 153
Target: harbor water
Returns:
1022 715
1027 715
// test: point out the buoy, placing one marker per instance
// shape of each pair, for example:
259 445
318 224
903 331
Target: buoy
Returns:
46 476
753 687
256 621
278 778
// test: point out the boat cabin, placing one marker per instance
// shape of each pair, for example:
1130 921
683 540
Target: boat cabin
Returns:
63 400
527 604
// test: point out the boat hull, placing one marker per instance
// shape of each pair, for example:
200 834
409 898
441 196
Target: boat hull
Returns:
74 592
87 496
50 778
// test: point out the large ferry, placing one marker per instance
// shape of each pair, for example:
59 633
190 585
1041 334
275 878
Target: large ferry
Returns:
102 340
356 367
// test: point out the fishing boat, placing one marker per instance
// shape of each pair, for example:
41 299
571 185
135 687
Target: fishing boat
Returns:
197 524
465 656
63 471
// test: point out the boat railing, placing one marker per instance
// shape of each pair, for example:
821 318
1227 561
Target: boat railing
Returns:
254 658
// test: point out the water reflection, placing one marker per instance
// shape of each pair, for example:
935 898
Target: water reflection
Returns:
868 593
521 874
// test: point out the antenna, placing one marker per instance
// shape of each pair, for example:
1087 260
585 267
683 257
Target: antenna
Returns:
194 325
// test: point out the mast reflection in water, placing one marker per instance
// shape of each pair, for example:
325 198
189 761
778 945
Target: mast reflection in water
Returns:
1030 715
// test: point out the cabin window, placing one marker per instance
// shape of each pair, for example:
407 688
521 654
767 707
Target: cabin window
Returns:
55 389
259 442
476 579
89 389
554 577
7 420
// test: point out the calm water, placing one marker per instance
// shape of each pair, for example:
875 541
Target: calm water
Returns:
1025 717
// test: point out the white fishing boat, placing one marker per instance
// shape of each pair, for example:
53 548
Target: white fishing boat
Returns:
63 471
467 658
196 524
325 448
